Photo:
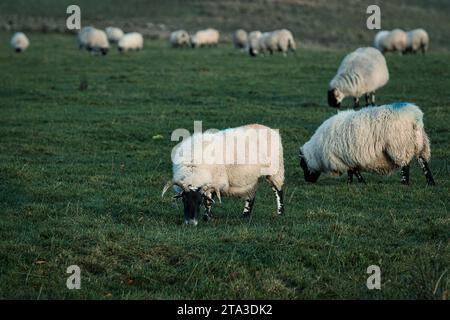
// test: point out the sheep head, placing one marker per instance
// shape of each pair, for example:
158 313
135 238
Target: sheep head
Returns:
310 175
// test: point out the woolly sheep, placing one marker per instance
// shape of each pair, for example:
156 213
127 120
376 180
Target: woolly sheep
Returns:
179 38
240 39
96 41
82 36
394 40
207 37
114 34
254 42
378 140
361 73
198 181
417 39
278 40
19 42
131 41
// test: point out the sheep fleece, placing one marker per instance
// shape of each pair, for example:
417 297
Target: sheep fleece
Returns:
376 139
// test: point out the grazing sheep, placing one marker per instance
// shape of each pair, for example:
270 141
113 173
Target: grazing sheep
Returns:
228 162
82 36
361 73
114 34
240 39
394 40
131 41
417 39
254 43
179 38
208 37
96 41
378 140
278 40
19 42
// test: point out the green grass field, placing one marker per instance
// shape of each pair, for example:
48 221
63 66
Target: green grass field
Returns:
81 179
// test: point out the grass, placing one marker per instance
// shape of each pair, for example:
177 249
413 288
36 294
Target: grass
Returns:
81 178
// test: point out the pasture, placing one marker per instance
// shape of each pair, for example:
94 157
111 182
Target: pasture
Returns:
81 174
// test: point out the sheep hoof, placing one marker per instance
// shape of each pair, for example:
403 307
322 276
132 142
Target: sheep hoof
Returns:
207 217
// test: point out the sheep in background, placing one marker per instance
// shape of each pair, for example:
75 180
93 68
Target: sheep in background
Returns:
378 140
240 39
208 37
220 171
179 38
114 34
278 40
361 73
131 41
417 39
394 40
82 36
253 43
19 42
97 41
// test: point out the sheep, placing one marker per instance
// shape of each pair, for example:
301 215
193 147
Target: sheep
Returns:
114 34
82 36
96 41
19 42
394 40
131 41
240 39
278 40
361 73
207 37
179 38
377 140
219 166
253 43
417 39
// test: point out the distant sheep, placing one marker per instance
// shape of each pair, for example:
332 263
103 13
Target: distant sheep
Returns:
179 38
240 39
377 140
278 40
197 182
361 73
417 40
391 41
131 41
19 42
82 36
254 43
114 34
208 37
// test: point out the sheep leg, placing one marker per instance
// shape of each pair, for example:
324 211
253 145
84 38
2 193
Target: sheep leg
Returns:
426 171
405 175
208 213
372 95
359 176
248 206
349 176
356 104
367 96
280 203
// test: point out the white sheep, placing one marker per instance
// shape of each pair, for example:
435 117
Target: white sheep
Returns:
377 140
82 36
19 42
179 38
131 41
254 43
278 40
96 41
207 37
215 164
240 39
114 34
387 41
361 73
417 39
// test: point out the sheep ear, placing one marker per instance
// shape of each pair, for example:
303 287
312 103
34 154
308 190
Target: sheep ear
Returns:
166 187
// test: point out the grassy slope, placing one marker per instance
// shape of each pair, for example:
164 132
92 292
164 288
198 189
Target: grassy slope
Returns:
81 176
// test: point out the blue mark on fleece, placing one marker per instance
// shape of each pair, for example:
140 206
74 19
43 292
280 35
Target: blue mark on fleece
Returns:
399 105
